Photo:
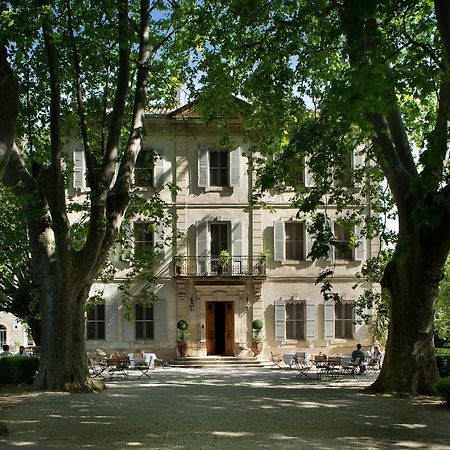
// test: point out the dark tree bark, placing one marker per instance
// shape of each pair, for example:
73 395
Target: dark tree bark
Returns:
62 275
413 275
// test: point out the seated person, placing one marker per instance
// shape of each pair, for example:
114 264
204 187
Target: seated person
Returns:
5 351
22 351
358 358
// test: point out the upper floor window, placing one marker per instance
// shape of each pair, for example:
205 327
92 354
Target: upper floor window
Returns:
144 322
342 249
95 326
218 167
143 171
295 320
143 236
295 241
290 241
2 335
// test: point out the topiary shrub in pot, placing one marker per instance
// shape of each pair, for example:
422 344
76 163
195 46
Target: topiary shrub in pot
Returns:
182 337
257 338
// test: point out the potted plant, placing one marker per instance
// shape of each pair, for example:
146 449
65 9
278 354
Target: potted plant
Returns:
179 263
224 259
262 262
257 338
182 337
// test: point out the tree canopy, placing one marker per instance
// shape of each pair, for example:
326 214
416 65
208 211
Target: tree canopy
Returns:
327 78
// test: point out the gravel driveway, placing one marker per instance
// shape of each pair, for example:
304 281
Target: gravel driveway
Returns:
227 409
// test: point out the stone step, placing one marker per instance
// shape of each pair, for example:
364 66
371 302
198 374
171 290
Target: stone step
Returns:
218 361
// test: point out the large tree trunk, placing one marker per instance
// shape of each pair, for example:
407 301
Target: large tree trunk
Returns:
410 365
63 350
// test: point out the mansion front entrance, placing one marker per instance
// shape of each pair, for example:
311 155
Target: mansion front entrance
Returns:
220 328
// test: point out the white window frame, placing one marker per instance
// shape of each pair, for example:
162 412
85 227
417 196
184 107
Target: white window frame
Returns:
204 169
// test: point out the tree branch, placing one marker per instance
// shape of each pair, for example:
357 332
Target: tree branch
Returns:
90 161
9 108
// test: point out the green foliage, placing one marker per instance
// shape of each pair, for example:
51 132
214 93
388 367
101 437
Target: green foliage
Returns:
224 258
442 310
443 389
257 326
18 369
182 334
182 325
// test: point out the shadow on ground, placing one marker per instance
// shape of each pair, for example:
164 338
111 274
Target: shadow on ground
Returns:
227 409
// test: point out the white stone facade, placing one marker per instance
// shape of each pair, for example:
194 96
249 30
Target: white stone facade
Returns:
214 211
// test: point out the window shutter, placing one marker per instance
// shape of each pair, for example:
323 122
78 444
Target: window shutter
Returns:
161 245
311 320
235 167
278 241
111 322
79 169
308 174
160 320
159 172
202 246
360 249
128 330
236 238
280 320
203 157
329 319
330 255
308 242
357 161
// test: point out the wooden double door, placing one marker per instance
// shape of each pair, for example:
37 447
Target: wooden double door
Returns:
220 328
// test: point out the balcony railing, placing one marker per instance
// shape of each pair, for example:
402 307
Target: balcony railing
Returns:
201 266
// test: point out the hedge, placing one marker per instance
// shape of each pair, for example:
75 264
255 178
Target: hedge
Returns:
443 389
18 369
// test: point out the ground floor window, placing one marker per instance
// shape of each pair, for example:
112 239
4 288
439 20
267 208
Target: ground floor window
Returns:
2 335
144 322
344 320
295 320
95 326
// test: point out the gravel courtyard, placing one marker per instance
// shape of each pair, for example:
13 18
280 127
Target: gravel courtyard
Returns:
226 409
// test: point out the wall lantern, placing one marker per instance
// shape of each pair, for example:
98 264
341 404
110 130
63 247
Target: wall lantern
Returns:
191 305
247 305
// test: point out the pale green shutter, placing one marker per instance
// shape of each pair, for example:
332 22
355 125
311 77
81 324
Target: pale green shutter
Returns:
235 167
79 169
311 320
159 171
278 241
202 246
308 242
309 182
360 249
160 320
280 320
203 163
329 319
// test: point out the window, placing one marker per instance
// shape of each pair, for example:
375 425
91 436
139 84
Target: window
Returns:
143 171
343 175
219 238
144 322
342 250
95 327
2 335
344 320
295 320
143 236
295 239
218 168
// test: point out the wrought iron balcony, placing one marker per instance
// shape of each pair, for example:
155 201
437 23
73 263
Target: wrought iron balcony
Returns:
202 266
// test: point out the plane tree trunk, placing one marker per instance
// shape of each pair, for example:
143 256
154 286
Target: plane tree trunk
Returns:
422 200
62 274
